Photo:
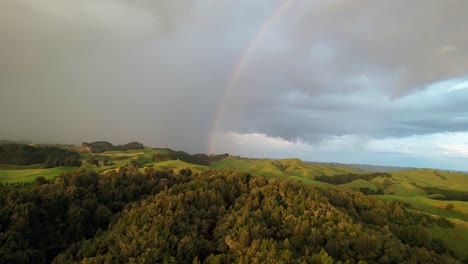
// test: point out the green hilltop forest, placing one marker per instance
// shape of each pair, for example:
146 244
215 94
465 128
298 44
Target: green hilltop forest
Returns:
135 204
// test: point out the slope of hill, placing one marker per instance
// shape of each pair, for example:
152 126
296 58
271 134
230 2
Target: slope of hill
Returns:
366 167
360 184
455 233
200 159
404 189
433 178
102 146
283 168
177 165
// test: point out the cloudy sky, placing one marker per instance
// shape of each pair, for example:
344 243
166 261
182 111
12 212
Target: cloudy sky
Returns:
354 81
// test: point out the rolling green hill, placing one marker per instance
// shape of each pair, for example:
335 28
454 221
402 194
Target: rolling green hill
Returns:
433 178
404 189
382 182
359 184
431 192
283 168
177 165
175 160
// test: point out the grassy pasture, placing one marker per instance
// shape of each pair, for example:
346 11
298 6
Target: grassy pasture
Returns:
21 167
28 175
426 177
177 165
284 168
435 207
404 189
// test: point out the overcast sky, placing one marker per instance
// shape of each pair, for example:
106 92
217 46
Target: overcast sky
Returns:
354 81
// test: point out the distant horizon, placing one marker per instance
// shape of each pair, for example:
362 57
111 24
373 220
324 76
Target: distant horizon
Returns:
246 156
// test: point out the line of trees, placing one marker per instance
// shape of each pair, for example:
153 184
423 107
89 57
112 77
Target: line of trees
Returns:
200 159
446 194
102 146
349 177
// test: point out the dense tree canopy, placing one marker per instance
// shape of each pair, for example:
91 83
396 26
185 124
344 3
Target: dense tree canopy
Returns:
214 217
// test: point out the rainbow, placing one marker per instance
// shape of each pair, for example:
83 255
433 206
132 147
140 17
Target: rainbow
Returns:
234 76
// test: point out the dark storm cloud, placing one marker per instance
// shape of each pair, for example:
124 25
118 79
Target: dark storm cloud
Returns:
358 67
155 71
407 44
114 70
366 113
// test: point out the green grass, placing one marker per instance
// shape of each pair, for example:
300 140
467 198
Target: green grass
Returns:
21 167
382 182
434 207
28 175
434 178
118 158
455 238
129 152
284 168
358 184
177 165
15 173
404 189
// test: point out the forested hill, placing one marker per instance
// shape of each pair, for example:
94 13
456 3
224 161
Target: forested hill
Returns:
20 154
200 159
102 146
219 216
24 142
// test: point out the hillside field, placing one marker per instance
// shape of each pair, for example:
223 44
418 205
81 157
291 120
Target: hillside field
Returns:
28 175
